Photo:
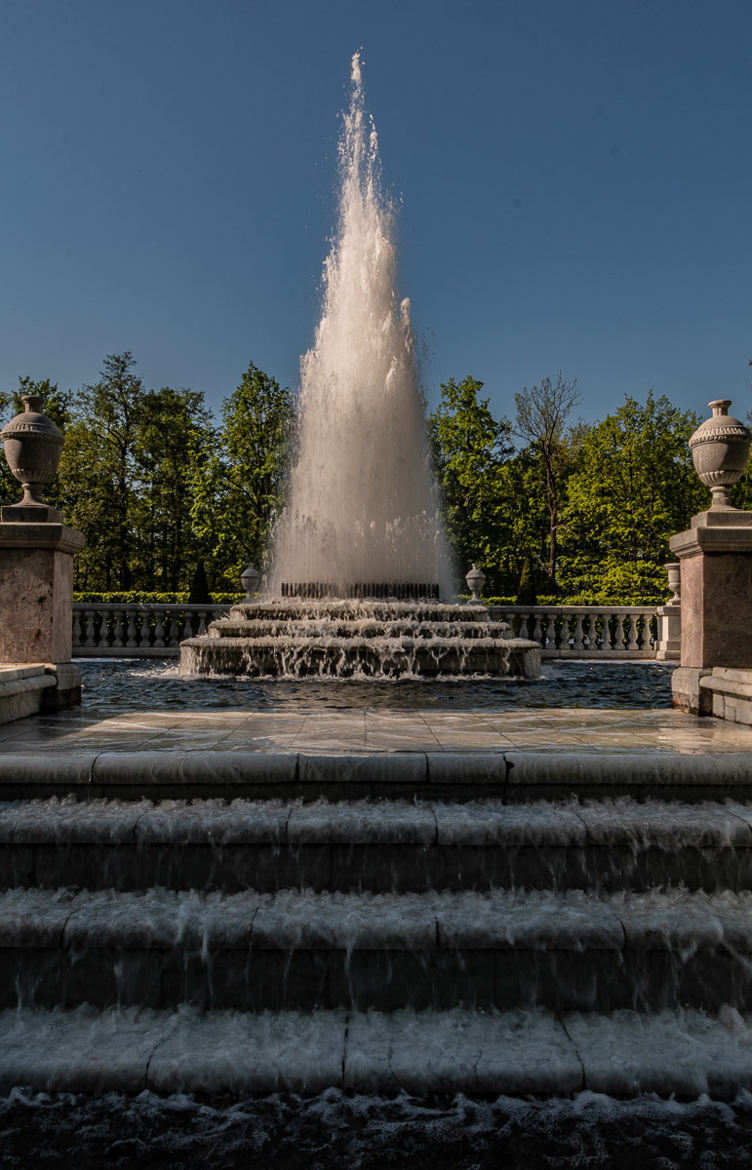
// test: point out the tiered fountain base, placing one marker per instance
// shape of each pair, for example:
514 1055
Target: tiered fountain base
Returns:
358 638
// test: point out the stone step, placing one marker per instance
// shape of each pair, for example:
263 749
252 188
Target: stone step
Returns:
352 609
517 1053
381 846
358 656
299 949
356 628
513 776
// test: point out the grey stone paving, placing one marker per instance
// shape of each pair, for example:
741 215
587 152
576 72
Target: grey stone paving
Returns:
360 730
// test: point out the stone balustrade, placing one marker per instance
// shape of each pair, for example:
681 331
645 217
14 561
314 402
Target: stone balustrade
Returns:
564 631
585 631
138 631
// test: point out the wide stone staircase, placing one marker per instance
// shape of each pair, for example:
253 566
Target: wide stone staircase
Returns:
240 923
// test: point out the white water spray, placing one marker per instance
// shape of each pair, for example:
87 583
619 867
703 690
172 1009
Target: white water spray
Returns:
362 504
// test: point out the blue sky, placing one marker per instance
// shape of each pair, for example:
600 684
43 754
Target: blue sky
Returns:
575 180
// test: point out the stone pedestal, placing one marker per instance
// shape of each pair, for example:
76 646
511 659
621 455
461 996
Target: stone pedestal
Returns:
715 555
668 648
36 594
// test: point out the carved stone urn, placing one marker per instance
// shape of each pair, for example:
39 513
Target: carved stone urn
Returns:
249 579
32 447
475 581
673 572
720 450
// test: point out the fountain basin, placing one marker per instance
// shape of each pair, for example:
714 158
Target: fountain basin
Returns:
348 638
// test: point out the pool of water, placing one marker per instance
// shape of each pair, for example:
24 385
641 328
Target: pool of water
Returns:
119 685
371 1133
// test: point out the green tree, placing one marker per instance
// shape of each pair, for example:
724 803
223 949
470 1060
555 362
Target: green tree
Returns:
173 441
238 490
470 449
633 488
542 415
99 475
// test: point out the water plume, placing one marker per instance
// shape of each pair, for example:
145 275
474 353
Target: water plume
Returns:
362 504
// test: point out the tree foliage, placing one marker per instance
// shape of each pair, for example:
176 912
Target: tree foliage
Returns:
173 501
470 448
238 489
633 488
168 501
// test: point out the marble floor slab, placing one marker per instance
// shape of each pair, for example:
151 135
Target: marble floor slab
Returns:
360 730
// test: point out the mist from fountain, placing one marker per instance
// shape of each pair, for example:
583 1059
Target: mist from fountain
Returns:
362 504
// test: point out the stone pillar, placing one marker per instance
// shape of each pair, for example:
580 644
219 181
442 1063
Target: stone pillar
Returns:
715 556
36 563
669 619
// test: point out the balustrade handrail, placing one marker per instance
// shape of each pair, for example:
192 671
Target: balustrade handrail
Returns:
155 629
138 629
585 631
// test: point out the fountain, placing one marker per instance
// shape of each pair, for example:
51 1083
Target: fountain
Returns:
361 571
232 921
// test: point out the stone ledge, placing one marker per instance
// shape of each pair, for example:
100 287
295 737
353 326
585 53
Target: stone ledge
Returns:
27 670
514 776
726 693
22 691
684 1053
37 687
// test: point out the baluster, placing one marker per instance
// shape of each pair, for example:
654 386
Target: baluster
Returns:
91 639
523 626
651 631
608 631
201 622
619 635
159 629
632 643
170 629
131 631
79 628
117 628
578 642
144 631
537 634
560 624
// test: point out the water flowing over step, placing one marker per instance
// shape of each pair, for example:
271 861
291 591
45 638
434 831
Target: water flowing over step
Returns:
240 1054
382 846
299 949
405 921
368 638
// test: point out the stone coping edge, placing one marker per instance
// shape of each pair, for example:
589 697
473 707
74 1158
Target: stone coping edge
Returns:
683 1054
462 775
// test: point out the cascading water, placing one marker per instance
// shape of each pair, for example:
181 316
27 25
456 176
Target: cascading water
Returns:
362 504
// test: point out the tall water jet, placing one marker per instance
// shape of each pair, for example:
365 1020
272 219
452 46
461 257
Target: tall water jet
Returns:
360 564
362 504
